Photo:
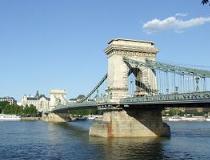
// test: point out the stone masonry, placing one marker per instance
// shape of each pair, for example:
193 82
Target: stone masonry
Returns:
56 117
131 123
118 70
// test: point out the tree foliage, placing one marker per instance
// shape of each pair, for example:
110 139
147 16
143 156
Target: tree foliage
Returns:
205 2
175 111
6 108
83 112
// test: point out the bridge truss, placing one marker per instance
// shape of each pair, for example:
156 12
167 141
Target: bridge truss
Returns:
174 78
175 85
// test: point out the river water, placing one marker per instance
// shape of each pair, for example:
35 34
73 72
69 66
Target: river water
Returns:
37 140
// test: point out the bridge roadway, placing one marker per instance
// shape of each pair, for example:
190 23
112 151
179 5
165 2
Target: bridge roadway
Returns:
195 99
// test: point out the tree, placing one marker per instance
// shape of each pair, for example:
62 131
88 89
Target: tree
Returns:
30 110
205 2
83 112
81 96
6 108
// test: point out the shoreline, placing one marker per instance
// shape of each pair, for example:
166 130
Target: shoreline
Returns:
186 119
30 118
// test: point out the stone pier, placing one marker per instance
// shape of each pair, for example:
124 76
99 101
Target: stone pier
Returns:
56 117
131 123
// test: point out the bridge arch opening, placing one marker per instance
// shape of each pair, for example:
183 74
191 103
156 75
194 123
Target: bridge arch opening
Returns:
121 74
137 84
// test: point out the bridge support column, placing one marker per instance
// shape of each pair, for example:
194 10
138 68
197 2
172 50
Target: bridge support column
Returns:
131 123
56 117
119 70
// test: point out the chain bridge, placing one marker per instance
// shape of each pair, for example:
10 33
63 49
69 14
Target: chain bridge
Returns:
137 88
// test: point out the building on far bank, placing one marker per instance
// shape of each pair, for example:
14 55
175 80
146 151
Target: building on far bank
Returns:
43 103
80 97
72 100
11 100
40 101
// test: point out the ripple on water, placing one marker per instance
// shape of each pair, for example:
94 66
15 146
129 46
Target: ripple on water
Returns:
70 141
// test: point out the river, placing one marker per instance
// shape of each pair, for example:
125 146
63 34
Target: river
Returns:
37 140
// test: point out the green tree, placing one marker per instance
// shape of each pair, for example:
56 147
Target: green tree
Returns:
83 112
6 108
175 111
30 111
205 2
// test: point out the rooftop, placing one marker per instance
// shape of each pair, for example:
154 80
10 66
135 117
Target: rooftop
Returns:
139 46
131 40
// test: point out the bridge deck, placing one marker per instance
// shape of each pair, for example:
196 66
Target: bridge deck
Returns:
84 105
197 99
176 98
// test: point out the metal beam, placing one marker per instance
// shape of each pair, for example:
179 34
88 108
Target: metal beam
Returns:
84 105
168 68
95 88
172 98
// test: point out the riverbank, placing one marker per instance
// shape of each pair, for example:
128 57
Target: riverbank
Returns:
193 118
30 118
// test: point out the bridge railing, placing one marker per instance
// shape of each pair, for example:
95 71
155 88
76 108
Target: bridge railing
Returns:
173 78
93 103
168 97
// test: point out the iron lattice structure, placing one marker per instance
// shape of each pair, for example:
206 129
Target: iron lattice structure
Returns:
188 77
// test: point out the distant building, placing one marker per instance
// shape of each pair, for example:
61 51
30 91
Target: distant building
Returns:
77 99
39 100
72 100
80 97
11 100
43 103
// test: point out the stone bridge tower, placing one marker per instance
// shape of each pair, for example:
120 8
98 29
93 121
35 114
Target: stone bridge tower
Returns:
57 96
118 70
130 121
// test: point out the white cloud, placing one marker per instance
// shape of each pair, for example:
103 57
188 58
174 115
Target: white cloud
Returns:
174 23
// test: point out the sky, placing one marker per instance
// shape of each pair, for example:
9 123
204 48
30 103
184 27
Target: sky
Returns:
47 44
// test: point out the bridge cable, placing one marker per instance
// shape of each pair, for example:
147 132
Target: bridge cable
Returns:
174 79
204 83
159 79
183 87
95 88
168 67
181 83
193 83
167 84
148 82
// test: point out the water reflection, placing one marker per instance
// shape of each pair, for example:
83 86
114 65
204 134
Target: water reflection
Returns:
188 141
113 148
70 141
130 148
63 132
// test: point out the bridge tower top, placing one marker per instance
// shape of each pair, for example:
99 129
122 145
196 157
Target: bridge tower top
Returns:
130 45
118 70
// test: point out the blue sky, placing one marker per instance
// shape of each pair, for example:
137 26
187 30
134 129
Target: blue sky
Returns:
47 44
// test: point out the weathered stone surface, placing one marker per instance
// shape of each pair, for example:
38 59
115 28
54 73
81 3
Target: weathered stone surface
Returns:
131 123
118 70
56 117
